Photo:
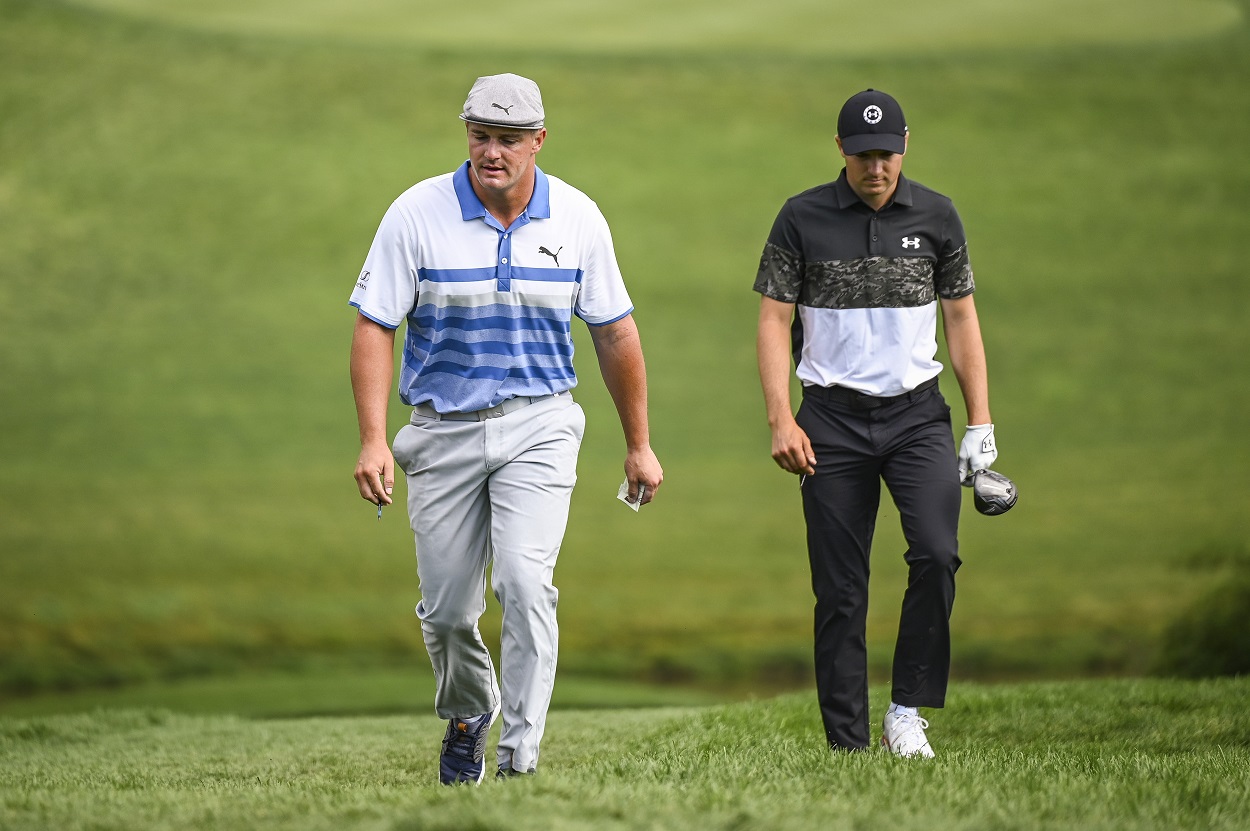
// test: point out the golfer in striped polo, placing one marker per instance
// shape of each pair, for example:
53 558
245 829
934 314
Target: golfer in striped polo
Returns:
488 266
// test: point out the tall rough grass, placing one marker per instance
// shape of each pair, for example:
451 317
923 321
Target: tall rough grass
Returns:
1090 755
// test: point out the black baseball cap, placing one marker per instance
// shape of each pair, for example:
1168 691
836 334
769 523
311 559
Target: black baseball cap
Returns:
872 120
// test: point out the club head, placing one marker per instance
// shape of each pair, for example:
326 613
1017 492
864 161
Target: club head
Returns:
993 493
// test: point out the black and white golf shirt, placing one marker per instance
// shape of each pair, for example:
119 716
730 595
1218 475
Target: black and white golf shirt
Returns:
866 283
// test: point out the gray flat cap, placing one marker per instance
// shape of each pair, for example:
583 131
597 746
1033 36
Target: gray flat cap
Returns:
504 101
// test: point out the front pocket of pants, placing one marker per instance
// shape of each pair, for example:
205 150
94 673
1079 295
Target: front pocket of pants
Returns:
407 448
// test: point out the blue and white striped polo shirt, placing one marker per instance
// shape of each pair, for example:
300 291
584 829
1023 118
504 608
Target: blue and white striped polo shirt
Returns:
489 308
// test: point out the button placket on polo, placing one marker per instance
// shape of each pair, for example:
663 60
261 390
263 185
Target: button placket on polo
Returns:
503 268
503 262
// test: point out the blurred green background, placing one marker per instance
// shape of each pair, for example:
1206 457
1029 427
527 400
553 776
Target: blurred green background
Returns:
187 192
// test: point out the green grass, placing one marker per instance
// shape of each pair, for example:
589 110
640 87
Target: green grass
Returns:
330 689
1089 755
183 211
700 26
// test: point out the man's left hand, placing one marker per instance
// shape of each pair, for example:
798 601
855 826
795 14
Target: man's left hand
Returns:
976 452
643 471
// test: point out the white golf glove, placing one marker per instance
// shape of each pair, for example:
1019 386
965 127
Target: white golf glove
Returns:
976 452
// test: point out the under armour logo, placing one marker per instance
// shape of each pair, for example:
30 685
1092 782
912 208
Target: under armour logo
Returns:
872 113
502 107
911 242
542 249
987 444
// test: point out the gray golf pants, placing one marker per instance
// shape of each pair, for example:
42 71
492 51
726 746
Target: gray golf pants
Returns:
481 491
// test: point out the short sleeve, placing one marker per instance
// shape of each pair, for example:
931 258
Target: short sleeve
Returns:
780 274
602 298
953 274
386 289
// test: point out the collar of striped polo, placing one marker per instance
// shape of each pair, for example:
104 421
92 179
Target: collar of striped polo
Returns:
472 208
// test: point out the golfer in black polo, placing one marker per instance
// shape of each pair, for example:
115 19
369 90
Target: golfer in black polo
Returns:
851 280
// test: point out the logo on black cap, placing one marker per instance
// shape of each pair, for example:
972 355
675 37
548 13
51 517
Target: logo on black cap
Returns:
872 120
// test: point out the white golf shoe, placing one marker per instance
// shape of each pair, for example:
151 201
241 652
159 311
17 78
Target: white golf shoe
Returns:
903 734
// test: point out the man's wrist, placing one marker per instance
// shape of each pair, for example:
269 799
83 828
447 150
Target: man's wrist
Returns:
633 448
780 418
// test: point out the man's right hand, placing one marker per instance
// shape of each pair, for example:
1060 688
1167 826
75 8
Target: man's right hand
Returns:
375 473
792 450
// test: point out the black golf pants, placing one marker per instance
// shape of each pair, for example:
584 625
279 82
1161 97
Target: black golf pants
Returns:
858 442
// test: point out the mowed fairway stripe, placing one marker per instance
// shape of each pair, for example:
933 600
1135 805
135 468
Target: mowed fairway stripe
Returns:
791 26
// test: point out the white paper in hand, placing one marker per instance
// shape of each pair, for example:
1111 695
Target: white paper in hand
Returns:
622 493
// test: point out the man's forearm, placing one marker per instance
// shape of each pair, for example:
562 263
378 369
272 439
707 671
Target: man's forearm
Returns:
625 375
372 361
967 353
791 447
621 363
773 354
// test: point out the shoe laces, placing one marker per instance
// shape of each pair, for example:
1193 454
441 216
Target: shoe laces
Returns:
466 737
909 723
